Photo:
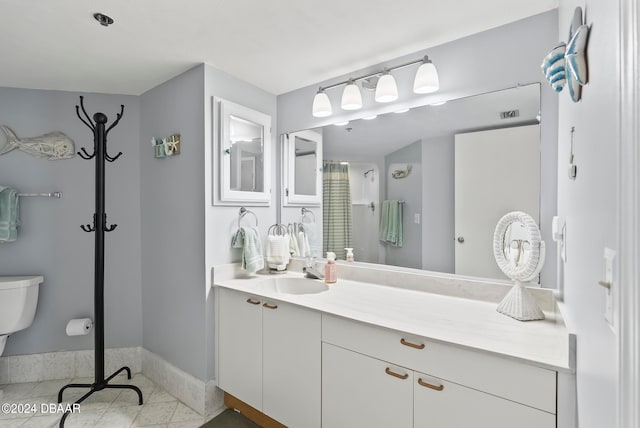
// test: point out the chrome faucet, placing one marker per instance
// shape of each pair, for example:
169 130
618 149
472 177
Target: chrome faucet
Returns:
309 269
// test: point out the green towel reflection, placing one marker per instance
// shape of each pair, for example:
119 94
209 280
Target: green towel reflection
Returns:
391 223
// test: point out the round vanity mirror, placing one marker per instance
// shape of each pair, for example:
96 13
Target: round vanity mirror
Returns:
519 251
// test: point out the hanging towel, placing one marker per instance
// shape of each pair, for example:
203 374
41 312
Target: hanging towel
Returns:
277 252
391 223
294 249
311 231
9 214
248 239
303 244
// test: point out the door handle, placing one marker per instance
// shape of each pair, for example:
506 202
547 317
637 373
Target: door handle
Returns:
412 345
253 302
428 385
461 239
394 374
267 305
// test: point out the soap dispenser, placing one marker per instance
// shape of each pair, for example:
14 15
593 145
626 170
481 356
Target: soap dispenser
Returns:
330 274
349 254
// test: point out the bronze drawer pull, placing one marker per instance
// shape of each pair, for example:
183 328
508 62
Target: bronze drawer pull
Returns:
399 376
412 345
428 385
266 305
253 302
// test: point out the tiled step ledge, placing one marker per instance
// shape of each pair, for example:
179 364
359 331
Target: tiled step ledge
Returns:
203 397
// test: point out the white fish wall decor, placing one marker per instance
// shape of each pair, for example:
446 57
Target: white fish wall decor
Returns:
53 145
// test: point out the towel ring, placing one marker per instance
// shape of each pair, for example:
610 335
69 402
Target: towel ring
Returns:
306 211
244 212
277 229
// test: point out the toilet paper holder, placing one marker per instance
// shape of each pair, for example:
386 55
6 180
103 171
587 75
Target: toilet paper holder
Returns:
79 326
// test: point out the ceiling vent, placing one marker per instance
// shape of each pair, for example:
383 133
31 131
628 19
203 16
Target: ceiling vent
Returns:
509 114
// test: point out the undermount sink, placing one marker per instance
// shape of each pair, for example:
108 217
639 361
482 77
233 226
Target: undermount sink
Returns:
293 285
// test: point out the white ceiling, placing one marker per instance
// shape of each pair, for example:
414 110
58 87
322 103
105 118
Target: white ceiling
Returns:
277 45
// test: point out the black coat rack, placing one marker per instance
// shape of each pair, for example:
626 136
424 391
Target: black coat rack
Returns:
99 227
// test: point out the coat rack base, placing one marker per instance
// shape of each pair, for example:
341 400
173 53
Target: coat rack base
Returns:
98 386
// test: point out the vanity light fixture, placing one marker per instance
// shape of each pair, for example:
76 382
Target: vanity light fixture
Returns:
370 117
351 98
404 110
426 81
441 103
341 123
387 90
321 104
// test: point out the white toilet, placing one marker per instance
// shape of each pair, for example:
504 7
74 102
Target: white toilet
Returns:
18 301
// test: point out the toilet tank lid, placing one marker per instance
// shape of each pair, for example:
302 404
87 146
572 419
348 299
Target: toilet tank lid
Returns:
7 282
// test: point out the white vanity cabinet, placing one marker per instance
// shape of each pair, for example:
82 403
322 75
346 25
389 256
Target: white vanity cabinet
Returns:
360 391
384 375
439 403
240 346
270 357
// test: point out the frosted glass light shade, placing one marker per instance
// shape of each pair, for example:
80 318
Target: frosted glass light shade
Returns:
351 98
321 105
387 90
426 80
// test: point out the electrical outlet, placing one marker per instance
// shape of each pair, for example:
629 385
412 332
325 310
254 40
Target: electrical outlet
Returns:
609 255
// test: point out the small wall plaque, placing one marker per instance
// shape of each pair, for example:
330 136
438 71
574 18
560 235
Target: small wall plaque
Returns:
165 147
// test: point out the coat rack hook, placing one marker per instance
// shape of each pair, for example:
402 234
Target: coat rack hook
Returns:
111 159
82 119
85 114
85 155
87 228
118 117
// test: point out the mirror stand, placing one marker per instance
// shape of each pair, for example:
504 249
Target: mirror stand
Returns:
519 251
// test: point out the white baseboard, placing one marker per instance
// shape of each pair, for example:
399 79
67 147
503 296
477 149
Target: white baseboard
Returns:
65 365
203 397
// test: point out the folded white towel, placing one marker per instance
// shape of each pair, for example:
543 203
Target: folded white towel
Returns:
294 248
277 254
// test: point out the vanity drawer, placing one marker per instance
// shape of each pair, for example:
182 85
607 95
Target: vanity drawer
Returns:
522 383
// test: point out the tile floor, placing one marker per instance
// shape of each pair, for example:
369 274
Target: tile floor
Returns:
109 408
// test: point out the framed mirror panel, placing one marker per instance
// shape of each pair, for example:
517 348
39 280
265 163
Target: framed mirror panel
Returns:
302 168
244 153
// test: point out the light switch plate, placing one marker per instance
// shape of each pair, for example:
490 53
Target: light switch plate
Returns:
416 218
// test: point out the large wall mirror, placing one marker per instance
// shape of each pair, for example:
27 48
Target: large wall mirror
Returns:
244 143
425 188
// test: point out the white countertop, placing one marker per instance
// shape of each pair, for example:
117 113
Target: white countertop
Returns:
464 322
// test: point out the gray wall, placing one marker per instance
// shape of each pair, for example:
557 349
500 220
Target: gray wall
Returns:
438 225
169 236
492 60
589 206
184 235
172 226
408 189
50 240
221 222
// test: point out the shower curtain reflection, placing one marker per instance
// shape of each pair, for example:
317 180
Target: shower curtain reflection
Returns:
336 208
